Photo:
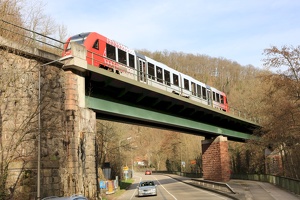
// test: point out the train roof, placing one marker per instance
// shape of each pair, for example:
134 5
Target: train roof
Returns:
80 35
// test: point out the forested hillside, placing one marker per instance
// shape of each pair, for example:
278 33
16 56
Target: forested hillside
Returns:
271 97
243 85
240 83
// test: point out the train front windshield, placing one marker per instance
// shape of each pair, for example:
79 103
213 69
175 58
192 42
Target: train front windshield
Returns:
80 38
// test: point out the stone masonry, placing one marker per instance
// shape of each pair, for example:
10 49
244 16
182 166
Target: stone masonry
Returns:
67 129
80 174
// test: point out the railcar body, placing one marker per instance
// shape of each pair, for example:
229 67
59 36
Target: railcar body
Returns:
108 54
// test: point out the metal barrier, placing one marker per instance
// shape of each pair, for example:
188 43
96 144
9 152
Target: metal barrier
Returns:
223 187
30 38
292 185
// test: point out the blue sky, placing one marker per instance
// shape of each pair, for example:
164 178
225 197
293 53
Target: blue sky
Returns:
233 29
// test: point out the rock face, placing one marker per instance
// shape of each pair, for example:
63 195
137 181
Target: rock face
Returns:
67 131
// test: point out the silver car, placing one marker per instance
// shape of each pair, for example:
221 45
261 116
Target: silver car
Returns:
147 188
73 197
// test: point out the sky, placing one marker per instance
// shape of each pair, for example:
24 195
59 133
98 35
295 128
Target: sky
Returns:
237 30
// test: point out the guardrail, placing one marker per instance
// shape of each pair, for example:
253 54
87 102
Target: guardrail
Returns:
223 187
292 185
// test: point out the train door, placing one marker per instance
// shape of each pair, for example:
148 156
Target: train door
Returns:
209 96
142 70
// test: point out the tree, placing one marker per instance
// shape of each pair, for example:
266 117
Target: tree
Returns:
105 135
282 127
18 15
238 82
19 127
20 109
10 11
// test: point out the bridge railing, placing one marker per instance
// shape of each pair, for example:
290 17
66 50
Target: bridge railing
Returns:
30 38
135 74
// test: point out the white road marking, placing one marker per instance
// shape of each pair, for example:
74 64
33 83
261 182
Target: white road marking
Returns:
165 188
211 193
135 189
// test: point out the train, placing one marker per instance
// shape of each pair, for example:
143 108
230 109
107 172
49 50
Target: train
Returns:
108 54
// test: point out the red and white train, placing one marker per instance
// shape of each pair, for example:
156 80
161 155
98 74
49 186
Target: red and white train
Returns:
108 54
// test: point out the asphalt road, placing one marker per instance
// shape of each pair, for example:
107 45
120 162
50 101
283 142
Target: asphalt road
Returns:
168 189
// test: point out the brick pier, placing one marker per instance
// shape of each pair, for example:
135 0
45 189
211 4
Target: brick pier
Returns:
215 159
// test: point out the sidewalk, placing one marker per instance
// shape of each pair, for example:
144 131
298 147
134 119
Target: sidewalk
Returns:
250 190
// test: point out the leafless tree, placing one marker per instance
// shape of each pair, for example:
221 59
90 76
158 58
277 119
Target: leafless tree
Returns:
18 126
283 126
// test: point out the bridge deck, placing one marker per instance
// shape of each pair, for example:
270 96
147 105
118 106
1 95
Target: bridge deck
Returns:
122 99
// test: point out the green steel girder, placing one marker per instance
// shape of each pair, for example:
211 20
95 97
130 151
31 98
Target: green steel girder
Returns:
115 97
133 114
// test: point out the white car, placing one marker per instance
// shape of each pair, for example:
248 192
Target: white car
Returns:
147 188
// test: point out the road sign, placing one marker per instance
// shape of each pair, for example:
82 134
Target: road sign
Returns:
193 162
102 185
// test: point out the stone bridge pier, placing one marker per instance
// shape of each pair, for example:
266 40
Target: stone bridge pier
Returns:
78 172
54 95
215 159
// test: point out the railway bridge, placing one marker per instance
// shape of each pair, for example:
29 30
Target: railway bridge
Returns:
115 97
92 93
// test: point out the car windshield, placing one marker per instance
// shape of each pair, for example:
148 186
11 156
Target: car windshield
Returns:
148 183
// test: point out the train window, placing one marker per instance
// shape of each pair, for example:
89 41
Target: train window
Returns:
198 91
131 60
218 97
122 56
204 93
96 44
159 74
193 88
167 77
151 73
186 84
175 80
110 51
214 96
79 38
222 99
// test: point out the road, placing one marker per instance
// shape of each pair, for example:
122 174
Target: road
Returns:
168 189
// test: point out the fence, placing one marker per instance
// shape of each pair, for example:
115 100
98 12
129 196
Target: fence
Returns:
30 38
